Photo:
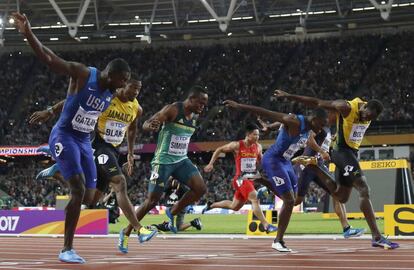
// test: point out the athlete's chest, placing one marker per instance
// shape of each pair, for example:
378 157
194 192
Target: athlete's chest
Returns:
188 122
248 152
93 99
120 112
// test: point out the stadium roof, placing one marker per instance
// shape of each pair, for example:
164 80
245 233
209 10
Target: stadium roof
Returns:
191 19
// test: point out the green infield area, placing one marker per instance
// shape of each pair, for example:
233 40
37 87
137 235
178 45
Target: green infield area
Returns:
301 223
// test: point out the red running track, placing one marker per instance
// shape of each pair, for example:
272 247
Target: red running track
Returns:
205 254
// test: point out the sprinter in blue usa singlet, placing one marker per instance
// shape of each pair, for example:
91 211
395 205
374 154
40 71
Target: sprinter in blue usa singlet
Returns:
70 137
276 160
71 144
89 93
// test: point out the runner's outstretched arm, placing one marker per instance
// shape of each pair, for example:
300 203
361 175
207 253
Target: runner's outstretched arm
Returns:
47 56
131 136
268 127
339 105
45 115
230 147
168 113
316 147
272 115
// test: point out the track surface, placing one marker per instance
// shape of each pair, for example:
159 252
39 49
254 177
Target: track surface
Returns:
205 254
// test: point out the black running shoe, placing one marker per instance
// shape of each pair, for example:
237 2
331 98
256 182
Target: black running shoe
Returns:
207 208
162 227
196 223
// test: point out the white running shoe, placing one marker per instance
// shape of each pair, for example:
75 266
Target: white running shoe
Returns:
281 247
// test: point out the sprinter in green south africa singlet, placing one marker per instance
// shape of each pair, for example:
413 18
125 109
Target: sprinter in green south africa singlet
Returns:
174 138
175 124
170 158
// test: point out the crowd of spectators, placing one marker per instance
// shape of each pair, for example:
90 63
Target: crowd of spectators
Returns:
314 196
370 66
334 67
391 80
17 179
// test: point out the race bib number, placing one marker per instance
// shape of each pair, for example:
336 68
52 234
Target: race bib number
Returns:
115 132
293 148
103 159
278 181
154 177
326 144
178 145
58 149
248 164
357 132
172 199
85 121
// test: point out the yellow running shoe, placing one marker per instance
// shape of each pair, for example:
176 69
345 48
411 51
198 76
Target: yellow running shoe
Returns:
145 235
305 160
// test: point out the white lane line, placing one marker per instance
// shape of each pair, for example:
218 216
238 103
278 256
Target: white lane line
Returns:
155 264
270 266
19 267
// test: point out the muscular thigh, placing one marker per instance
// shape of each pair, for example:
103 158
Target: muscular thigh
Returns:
88 165
66 151
278 174
159 177
186 173
106 160
347 166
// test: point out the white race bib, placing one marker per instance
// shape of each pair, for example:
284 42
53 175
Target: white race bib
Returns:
179 145
357 132
293 148
248 164
327 142
115 132
85 121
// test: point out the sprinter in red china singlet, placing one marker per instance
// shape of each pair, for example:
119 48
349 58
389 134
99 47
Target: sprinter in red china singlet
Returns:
247 154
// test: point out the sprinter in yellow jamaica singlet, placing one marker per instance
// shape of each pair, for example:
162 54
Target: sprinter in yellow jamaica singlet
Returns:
353 118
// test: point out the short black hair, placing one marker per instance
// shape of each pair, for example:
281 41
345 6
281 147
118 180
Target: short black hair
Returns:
250 127
118 65
320 113
134 77
375 105
196 91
